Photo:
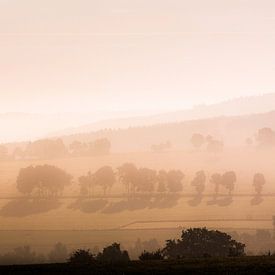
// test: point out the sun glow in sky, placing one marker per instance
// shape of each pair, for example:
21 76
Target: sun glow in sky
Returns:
72 56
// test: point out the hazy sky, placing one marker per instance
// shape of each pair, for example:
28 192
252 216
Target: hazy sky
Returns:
87 55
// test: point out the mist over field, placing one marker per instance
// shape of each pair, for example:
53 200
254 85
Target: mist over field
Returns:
133 126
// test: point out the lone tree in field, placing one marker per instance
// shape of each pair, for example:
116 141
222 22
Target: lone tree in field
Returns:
258 183
197 140
113 254
201 242
43 180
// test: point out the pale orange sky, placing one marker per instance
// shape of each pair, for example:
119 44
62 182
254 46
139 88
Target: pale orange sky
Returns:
85 55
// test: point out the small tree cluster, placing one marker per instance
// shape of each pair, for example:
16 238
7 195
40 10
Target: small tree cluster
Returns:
110 254
201 242
44 180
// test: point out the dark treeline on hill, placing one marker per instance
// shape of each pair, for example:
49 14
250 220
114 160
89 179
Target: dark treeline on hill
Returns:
194 243
198 251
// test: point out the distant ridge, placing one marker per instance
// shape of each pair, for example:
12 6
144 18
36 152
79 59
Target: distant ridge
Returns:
234 107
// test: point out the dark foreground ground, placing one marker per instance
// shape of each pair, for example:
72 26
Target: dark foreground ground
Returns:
244 265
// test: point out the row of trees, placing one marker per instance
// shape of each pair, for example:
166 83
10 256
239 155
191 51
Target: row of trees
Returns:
55 148
212 145
50 181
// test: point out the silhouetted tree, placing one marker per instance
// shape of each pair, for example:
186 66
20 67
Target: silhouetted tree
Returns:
81 256
228 180
113 254
46 148
21 255
100 147
216 179
87 184
265 137
78 148
128 176
258 182
162 179
174 180
104 177
199 182
201 242
197 140
47 180
147 179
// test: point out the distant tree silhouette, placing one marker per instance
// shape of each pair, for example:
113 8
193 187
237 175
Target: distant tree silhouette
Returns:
199 182
128 176
21 255
78 148
214 146
147 179
228 180
158 148
87 184
201 242
258 183
113 254
265 137
216 179
104 177
97 147
58 254
44 180
46 149
197 140
162 179
100 147
174 180
151 256
81 256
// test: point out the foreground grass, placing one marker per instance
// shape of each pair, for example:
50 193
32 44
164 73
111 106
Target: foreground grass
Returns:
242 265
